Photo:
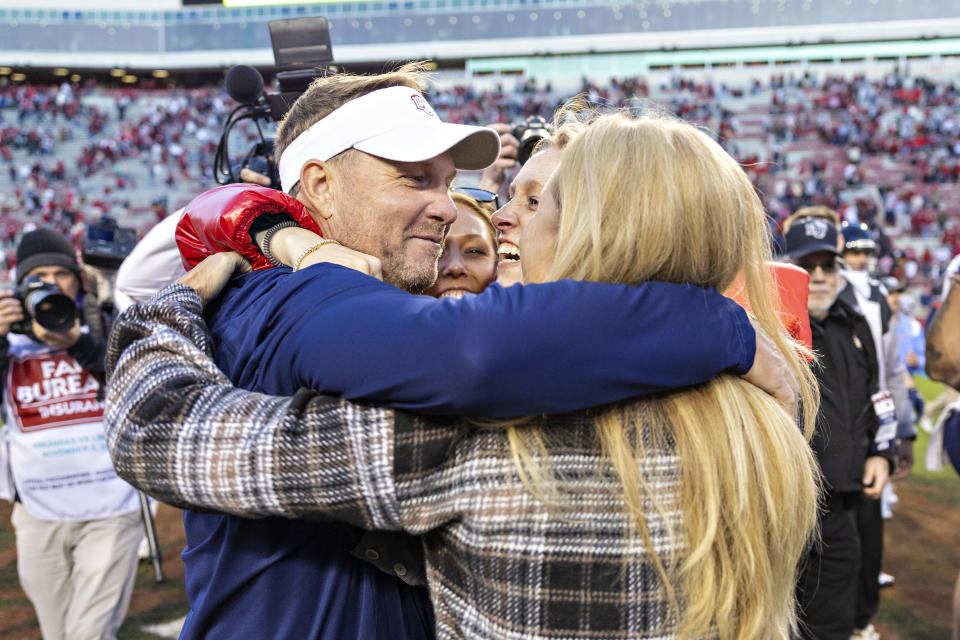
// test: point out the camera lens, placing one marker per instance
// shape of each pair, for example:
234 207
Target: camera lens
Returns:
53 310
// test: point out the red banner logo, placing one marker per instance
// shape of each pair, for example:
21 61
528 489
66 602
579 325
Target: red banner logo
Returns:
51 390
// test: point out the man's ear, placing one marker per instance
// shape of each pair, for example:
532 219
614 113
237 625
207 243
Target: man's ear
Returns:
317 180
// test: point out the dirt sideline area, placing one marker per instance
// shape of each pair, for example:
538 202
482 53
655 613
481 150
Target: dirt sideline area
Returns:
151 604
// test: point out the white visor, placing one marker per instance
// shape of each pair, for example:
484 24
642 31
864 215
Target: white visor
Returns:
396 123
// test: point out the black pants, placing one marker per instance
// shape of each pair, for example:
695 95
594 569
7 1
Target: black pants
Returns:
828 582
870 526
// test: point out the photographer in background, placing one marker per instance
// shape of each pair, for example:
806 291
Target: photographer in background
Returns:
517 142
77 524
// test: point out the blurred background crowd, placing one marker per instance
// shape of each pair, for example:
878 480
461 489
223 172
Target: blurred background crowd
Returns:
111 113
883 151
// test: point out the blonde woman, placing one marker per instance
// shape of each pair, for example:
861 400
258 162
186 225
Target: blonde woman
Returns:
681 515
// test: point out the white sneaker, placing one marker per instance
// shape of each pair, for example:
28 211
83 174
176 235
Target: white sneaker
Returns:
885 579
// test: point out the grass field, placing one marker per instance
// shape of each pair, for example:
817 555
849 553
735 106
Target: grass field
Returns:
922 551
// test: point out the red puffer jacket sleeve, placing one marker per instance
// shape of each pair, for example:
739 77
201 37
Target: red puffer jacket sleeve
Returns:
220 219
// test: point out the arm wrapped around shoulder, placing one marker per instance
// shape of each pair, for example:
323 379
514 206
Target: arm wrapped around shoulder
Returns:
178 430
220 219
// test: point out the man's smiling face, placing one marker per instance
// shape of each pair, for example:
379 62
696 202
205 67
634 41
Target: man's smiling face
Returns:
399 212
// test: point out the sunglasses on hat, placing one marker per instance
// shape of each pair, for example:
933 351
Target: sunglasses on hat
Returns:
480 195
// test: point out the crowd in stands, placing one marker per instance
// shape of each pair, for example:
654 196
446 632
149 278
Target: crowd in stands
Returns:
882 151
72 153
467 105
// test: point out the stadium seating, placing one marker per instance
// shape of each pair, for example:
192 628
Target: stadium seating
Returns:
72 153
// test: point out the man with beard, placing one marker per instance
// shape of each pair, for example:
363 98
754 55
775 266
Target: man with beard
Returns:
368 164
853 465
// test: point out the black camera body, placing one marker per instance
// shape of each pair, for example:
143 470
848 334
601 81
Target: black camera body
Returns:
106 244
528 133
46 303
302 52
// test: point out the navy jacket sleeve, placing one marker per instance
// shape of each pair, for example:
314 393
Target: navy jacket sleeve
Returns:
550 347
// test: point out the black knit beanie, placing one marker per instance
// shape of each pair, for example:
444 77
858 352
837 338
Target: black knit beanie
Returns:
43 248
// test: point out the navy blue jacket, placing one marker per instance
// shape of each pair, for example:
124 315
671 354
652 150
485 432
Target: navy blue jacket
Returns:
511 351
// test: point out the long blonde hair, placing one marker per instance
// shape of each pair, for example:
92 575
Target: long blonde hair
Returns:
654 198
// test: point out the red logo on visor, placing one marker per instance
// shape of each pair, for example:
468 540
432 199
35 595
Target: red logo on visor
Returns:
421 104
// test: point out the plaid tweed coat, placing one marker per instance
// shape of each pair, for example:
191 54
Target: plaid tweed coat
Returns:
500 563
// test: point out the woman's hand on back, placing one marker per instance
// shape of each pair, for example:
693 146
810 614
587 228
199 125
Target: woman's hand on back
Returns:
290 245
336 253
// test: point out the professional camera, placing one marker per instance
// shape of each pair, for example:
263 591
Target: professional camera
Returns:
528 133
106 244
302 52
51 308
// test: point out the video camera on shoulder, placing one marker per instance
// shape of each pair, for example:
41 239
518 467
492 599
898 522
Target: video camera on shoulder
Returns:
528 133
46 303
301 52
106 244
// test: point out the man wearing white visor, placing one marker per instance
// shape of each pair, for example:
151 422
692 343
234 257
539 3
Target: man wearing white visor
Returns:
365 161
399 183
396 123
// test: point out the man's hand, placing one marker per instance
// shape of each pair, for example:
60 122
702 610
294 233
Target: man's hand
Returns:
904 460
62 340
209 277
334 253
876 472
493 176
10 311
252 177
772 373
